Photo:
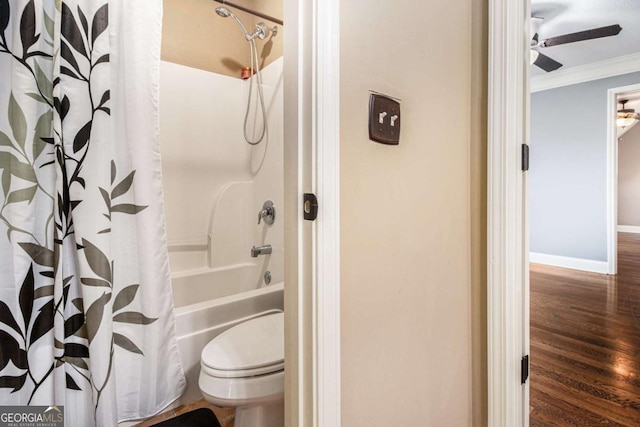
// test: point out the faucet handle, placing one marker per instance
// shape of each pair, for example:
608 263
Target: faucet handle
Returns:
268 212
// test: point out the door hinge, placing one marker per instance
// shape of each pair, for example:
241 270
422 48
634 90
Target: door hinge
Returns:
310 207
524 368
525 157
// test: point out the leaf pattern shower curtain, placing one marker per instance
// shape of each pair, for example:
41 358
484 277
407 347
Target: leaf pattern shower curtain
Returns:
85 300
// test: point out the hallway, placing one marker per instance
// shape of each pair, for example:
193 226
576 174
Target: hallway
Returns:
585 343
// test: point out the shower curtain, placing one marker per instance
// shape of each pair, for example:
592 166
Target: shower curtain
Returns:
85 301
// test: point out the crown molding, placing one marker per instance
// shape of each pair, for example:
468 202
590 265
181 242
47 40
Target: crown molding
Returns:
584 73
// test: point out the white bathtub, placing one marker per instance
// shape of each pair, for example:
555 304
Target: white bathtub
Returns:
208 302
206 284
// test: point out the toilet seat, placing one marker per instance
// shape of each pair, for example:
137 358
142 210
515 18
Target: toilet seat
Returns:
242 373
252 348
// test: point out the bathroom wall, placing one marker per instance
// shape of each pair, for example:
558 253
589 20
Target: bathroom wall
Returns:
629 178
409 240
194 35
208 167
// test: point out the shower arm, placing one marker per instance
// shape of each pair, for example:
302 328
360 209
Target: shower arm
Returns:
253 12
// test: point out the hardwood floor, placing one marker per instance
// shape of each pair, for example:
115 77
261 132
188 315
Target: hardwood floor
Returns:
585 343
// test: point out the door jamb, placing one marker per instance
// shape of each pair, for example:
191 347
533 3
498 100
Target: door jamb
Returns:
326 81
506 254
312 249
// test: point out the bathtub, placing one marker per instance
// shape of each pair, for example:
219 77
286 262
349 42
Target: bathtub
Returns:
210 301
206 284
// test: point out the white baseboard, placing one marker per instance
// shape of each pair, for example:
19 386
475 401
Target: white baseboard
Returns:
568 262
628 229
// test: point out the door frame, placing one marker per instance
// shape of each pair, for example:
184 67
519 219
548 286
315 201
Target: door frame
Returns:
312 249
507 255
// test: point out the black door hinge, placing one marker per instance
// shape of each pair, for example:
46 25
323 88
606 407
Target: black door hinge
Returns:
525 157
310 207
524 366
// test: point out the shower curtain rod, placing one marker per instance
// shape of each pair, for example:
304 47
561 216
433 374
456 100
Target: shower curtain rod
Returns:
253 12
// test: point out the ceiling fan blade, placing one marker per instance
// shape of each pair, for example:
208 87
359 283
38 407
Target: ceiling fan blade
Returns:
594 33
546 63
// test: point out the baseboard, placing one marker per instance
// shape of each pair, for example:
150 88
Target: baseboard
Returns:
628 229
568 262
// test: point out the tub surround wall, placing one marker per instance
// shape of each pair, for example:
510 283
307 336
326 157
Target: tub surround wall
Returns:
202 150
194 35
212 179
268 182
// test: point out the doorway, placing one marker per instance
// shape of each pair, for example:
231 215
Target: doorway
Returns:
508 287
311 72
578 312
624 132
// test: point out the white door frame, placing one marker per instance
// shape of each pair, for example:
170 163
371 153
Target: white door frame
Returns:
508 286
507 294
326 124
312 260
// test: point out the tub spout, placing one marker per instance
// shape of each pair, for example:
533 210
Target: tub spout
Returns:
260 250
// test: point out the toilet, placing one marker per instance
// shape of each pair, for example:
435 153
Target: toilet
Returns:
244 368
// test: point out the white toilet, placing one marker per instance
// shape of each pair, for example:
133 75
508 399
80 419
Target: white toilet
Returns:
244 368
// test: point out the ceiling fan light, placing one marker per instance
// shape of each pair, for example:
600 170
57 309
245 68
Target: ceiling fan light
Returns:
533 56
623 122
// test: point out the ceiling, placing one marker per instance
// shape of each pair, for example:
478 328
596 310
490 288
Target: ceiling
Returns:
569 16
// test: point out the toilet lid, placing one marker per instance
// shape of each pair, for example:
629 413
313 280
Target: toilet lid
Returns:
256 343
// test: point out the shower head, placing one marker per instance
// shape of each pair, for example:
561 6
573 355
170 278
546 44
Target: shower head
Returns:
223 11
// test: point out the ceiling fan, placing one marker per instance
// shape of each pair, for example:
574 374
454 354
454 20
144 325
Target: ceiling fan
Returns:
548 64
626 116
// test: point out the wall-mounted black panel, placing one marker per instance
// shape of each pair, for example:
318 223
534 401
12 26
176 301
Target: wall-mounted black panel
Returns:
384 119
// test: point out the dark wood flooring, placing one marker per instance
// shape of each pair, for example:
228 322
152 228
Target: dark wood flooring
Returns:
585 344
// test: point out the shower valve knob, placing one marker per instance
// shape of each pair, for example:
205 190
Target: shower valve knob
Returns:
268 213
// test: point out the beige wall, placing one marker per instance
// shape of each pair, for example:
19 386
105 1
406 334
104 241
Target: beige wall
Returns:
629 178
194 35
479 67
412 219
